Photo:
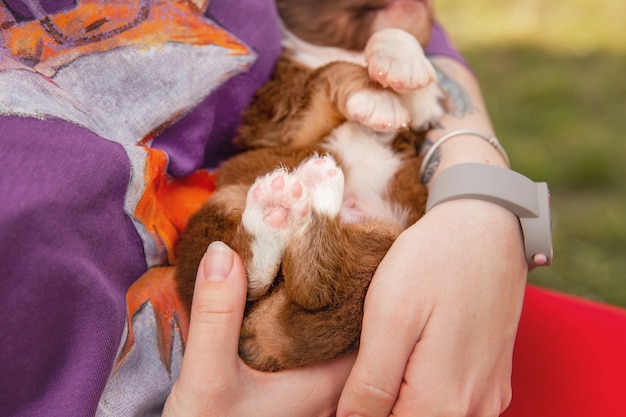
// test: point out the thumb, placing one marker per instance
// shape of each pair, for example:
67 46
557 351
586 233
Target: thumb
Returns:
217 309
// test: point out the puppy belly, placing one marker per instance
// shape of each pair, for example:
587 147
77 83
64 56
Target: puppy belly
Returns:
369 166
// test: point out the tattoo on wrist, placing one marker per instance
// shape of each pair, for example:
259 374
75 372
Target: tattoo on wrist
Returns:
433 163
459 105
459 101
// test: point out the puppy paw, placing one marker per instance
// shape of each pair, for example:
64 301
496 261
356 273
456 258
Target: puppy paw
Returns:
277 205
325 182
396 60
380 110
425 106
276 202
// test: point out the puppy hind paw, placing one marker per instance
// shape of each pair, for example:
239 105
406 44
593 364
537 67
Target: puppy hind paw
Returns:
380 110
276 203
324 180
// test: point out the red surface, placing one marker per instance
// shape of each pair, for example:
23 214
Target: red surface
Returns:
570 358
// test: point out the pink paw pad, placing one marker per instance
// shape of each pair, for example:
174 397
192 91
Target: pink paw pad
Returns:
280 198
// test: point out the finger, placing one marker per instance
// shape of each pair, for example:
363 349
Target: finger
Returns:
373 384
216 316
442 380
390 332
459 367
310 391
429 378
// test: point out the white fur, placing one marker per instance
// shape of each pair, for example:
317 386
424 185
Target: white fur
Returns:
369 165
267 253
381 110
424 106
396 60
269 241
321 184
324 181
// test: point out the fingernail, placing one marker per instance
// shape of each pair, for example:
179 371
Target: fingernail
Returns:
218 261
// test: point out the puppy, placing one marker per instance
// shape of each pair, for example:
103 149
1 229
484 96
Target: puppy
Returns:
327 180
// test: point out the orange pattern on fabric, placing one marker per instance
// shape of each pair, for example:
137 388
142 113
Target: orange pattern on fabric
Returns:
158 288
99 25
166 203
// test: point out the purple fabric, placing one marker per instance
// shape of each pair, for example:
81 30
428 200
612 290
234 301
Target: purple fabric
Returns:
441 45
70 251
68 254
208 129
21 11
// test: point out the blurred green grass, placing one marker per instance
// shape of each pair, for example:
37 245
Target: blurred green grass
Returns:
554 79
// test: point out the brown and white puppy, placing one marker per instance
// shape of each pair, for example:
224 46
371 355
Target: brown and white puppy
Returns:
328 179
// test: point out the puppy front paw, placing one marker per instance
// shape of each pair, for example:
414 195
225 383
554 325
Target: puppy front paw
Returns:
380 110
425 106
396 60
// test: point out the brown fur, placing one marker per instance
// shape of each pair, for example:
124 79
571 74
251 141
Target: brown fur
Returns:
313 310
310 104
346 24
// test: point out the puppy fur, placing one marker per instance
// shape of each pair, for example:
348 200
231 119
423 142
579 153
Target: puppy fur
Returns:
317 196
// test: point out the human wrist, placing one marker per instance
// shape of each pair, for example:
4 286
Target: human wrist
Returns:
483 226
528 200
483 231
479 154
459 149
483 215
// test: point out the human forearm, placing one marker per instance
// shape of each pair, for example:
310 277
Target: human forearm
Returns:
465 135
465 110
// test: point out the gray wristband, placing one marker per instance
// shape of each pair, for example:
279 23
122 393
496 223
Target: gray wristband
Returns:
528 200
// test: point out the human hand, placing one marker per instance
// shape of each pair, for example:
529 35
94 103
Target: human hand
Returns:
214 381
440 318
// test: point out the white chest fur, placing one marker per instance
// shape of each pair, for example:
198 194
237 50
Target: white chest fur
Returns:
369 165
396 60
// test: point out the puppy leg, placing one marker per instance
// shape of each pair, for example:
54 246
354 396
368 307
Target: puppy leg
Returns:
343 91
218 219
314 259
324 180
396 60
315 313
359 99
277 206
